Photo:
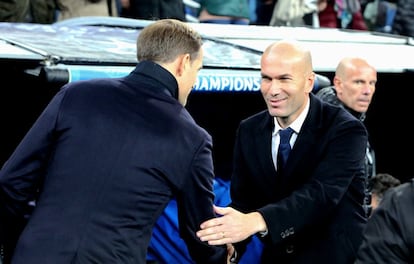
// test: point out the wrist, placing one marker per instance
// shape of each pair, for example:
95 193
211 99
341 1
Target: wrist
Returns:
259 223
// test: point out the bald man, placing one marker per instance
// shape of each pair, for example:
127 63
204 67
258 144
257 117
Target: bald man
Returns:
353 89
312 210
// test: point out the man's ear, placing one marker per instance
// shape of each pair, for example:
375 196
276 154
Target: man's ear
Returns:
310 81
337 84
183 62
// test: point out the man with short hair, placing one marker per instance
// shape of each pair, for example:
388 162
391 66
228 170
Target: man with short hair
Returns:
105 158
389 234
380 184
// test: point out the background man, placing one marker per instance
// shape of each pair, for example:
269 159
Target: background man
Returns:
353 89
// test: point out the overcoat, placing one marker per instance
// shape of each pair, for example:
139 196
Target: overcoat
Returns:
105 158
314 208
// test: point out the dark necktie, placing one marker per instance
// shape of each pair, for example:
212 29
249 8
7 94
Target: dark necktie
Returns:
284 147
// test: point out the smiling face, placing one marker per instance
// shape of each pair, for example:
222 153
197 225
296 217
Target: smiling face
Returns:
287 80
355 82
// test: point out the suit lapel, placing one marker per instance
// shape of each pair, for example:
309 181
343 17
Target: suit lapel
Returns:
304 144
263 146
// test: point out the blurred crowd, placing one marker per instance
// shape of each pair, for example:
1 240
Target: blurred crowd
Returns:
388 16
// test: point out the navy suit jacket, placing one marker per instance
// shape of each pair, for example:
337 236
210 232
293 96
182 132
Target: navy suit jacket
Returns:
314 210
107 156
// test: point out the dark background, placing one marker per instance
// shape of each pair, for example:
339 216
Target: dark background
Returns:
23 96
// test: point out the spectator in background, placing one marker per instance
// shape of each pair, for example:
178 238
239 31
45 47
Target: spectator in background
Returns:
105 158
252 11
389 234
293 12
50 11
224 12
353 89
78 8
341 14
43 11
307 211
14 10
153 9
379 15
379 184
32 11
403 23
264 11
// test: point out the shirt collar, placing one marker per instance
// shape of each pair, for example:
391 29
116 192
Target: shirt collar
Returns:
297 124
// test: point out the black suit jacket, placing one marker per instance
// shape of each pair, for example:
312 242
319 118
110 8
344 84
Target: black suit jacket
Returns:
107 156
313 210
389 235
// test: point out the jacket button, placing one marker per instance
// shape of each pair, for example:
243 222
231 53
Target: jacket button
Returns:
290 249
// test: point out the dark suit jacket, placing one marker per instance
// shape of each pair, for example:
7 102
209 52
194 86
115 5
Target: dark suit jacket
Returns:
107 156
389 235
313 211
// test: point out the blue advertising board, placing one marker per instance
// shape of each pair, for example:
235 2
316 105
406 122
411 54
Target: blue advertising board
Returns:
208 80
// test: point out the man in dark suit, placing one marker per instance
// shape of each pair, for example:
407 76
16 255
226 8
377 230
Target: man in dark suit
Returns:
312 210
389 235
107 155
